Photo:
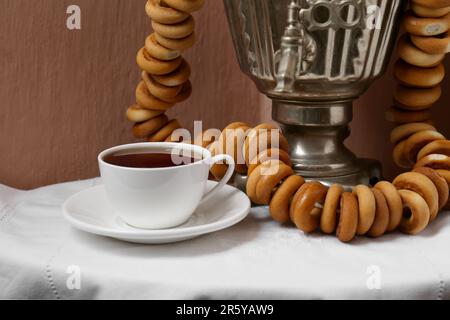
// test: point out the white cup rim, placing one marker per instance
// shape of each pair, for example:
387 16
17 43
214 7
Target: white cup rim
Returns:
168 145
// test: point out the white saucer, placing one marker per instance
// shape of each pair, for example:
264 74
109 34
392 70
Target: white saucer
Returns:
90 211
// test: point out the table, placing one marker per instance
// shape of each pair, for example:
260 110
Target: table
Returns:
41 256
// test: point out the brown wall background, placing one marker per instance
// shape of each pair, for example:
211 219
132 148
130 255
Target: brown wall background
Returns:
63 94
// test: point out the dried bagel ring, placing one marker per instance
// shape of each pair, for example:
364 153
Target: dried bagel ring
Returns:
145 129
328 220
175 31
394 203
185 5
404 131
366 208
426 12
398 116
422 185
225 134
426 26
259 139
218 170
253 179
435 147
381 221
176 44
176 77
260 143
137 114
417 141
164 14
434 161
434 45
268 182
348 218
158 90
231 141
281 200
413 55
147 101
158 51
165 131
303 212
185 93
420 213
272 153
434 4
154 66
413 76
238 135
439 182
446 175
399 156
415 99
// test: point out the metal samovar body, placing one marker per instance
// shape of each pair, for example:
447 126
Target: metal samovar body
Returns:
313 58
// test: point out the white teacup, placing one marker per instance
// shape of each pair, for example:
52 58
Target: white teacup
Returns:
160 198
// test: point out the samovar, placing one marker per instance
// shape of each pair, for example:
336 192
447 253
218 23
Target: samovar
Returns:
313 58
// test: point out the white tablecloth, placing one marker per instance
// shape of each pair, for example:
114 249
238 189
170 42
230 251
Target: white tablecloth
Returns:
41 256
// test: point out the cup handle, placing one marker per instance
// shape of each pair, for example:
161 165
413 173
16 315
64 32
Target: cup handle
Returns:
231 166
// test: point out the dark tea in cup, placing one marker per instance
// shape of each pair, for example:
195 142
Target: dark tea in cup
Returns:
148 160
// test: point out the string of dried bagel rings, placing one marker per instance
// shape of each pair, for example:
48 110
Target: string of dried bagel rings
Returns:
419 72
412 200
371 211
165 74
